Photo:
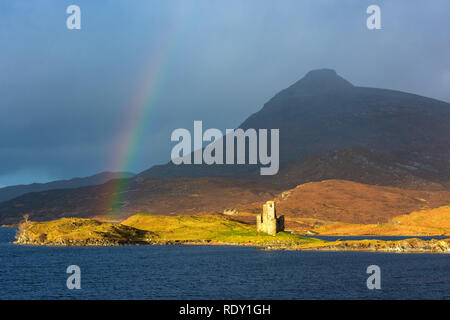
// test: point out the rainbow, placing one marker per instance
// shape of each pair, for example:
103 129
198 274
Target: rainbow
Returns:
139 110
129 139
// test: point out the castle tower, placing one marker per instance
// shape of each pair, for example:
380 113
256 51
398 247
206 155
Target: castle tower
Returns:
268 222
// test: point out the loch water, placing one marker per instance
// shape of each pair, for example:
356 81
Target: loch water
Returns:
215 272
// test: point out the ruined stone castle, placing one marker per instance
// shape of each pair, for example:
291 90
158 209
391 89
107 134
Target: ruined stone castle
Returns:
268 221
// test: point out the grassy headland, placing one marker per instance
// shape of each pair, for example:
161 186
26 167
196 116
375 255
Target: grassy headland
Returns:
203 229
149 229
81 232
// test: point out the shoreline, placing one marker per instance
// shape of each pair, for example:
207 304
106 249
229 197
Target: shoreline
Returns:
410 245
417 235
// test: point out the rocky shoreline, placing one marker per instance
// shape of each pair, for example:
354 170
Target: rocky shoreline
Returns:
413 245
114 243
23 238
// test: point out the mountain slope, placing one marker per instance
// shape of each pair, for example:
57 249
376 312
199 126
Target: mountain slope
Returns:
362 165
425 222
153 196
170 196
330 200
11 192
323 112
351 202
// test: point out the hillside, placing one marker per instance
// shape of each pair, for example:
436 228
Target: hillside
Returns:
351 202
434 222
11 192
360 165
329 200
154 196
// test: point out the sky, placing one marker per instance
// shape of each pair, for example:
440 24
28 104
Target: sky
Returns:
108 96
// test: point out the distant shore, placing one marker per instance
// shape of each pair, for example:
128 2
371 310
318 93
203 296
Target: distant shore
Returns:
411 245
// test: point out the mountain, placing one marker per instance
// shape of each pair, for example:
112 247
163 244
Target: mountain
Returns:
11 192
329 130
323 113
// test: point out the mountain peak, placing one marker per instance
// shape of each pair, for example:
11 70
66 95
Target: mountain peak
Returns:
319 81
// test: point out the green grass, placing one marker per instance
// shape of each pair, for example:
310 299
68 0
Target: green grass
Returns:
141 228
212 228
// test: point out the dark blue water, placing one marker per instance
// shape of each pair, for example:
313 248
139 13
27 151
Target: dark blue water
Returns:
215 272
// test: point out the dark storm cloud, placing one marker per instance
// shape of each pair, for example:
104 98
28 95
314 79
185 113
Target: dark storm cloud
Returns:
65 94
